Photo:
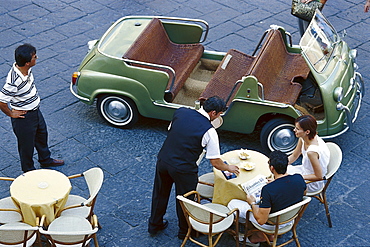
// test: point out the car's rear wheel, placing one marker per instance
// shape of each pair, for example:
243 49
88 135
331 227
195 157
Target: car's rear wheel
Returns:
278 134
118 110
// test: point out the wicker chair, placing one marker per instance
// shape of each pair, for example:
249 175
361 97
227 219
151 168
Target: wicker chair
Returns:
155 47
333 166
293 213
68 231
276 69
210 219
79 206
18 234
8 210
205 186
232 68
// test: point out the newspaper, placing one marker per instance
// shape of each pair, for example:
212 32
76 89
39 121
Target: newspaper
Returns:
254 186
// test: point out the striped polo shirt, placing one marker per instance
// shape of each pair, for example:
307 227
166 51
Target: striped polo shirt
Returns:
20 91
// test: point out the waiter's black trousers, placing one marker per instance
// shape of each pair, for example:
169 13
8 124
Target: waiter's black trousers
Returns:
165 176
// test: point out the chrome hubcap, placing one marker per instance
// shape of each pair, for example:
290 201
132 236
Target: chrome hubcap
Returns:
283 138
116 110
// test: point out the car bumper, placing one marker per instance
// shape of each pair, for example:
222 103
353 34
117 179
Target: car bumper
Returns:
71 88
351 113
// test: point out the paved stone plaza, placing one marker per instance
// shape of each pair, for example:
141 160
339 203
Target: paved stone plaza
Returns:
60 30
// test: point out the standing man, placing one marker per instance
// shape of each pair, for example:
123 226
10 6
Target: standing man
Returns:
286 190
189 133
28 123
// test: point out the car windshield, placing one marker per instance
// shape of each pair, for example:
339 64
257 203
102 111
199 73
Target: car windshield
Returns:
318 42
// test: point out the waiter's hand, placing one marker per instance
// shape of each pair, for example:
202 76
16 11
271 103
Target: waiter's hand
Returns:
233 169
220 165
18 114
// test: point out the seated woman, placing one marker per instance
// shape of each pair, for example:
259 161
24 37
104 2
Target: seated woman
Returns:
315 153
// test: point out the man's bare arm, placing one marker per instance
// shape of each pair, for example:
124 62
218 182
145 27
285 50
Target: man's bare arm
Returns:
11 113
220 165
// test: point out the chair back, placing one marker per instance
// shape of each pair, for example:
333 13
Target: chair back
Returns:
69 230
17 234
335 159
8 211
290 213
94 179
199 212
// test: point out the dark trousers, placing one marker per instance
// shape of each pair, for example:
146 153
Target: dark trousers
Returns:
31 132
165 176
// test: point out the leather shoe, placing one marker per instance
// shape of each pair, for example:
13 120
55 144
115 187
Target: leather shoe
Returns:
53 163
160 228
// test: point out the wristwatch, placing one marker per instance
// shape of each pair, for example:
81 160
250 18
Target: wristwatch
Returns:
253 203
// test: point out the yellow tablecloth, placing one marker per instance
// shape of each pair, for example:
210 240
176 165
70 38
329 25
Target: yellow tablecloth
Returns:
225 190
40 192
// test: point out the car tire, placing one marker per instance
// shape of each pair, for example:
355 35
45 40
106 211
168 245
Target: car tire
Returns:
118 111
278 134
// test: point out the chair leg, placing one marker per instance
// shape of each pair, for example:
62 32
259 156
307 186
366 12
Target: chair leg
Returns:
295 237
186 237
210 240
237 234
38 238
96 241
325 202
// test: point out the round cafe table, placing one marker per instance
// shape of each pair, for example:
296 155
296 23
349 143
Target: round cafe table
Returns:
40 192
225 190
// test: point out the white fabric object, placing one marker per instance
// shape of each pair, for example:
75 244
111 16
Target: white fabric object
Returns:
226 61
243 207
306 167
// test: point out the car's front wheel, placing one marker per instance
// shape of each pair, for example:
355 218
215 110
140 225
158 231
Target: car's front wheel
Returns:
278 134
118 110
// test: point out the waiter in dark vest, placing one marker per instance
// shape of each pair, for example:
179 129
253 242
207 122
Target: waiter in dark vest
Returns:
189 133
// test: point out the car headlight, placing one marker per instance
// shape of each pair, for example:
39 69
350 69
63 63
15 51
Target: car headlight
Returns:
338 94
353 53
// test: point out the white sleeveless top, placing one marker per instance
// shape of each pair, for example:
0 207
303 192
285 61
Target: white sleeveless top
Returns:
306 167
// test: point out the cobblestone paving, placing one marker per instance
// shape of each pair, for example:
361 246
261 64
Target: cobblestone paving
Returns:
60 30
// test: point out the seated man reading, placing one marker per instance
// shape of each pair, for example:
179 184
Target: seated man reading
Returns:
284 191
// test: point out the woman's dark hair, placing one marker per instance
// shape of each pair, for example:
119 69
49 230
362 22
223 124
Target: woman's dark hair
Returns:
23 54
308 122
279 161
214 103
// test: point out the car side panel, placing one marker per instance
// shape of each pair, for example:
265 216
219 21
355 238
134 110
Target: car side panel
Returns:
247 108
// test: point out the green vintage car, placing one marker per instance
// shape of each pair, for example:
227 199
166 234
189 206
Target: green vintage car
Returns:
150 66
